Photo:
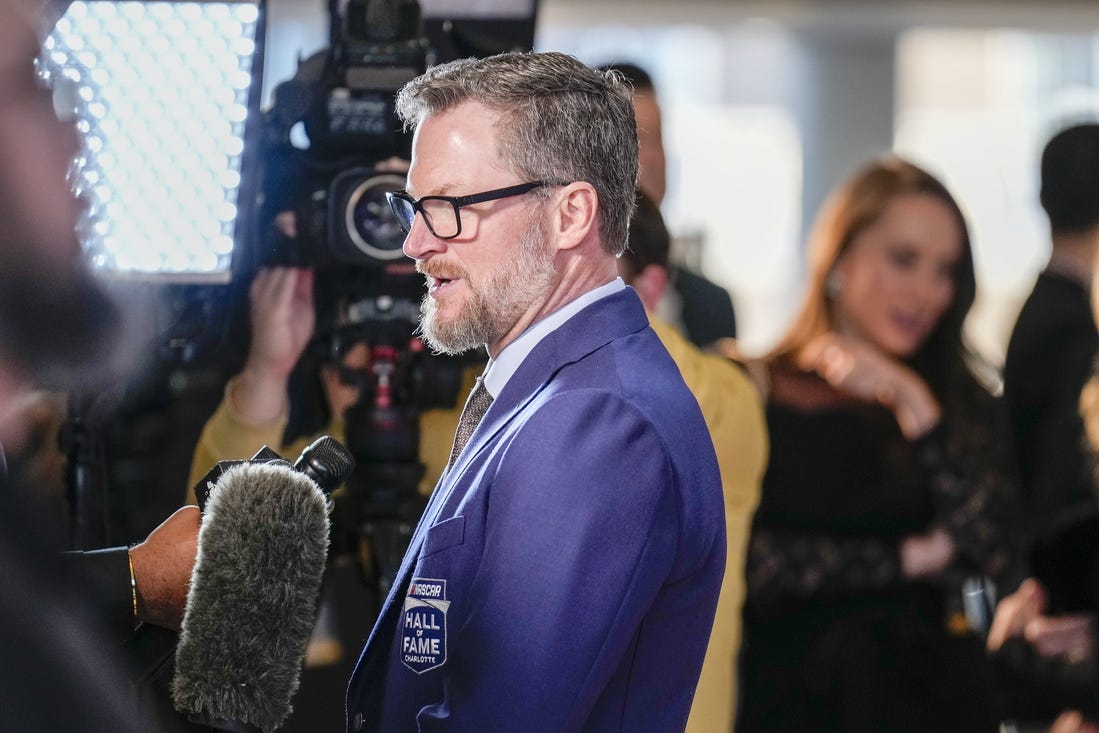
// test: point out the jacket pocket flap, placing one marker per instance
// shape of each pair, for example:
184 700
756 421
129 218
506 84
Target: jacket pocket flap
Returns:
444 535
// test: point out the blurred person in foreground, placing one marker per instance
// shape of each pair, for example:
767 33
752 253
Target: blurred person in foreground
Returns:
885 487
59 330
565 573
700 309
734 415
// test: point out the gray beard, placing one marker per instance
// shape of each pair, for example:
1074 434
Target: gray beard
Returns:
493 308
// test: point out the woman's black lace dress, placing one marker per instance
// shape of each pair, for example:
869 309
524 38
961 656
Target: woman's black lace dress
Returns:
834 638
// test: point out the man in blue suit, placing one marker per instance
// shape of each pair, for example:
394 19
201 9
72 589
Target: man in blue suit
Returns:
565 573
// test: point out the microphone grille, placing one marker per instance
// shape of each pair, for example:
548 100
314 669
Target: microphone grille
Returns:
327 462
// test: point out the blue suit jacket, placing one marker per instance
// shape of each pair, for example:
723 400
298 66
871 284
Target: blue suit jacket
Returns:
565 573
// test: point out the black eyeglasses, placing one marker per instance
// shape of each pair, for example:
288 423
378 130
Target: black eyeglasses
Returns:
441 213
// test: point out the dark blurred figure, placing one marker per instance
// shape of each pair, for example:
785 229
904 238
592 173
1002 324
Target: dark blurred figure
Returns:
1047 661
62 660
1044 636
1048 360
886 488
699 308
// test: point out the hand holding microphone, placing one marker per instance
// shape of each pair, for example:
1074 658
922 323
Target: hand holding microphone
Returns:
164 562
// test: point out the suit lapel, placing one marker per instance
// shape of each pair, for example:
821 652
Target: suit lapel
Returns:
592 328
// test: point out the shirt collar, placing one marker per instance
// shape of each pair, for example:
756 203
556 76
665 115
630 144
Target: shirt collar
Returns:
500 369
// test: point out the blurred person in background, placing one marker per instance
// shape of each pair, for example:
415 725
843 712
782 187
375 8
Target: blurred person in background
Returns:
1049 358
734 414
700 309
1043 638
885 488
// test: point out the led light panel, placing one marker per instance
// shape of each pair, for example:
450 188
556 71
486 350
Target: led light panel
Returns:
162 94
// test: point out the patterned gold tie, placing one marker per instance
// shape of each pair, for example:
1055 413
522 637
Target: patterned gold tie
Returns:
476 407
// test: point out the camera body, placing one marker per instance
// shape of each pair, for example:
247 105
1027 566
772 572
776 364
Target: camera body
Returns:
343 99
348 222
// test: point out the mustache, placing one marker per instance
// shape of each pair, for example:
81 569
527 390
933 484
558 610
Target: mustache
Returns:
441 271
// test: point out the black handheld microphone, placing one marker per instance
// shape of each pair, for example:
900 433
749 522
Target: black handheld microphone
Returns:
325 460
252 603
328 462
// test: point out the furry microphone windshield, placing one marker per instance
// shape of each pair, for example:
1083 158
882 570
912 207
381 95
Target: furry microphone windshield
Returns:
252 603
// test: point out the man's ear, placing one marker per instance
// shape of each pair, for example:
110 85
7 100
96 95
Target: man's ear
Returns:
575 218
650 284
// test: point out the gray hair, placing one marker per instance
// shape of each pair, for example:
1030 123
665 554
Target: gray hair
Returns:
562 121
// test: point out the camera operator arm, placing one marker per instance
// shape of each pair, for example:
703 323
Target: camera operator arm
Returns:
255 410
226 437
283 318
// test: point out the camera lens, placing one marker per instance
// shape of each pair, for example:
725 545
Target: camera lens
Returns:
368 221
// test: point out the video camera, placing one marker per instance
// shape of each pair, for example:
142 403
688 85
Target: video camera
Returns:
344 97
324 207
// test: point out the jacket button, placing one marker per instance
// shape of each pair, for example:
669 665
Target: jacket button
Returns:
357 723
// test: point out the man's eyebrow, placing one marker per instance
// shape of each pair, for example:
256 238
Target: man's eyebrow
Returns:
440 190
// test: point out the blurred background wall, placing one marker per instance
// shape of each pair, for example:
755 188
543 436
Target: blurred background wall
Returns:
768 105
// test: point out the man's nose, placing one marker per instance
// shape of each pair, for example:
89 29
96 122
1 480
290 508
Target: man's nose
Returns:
420 243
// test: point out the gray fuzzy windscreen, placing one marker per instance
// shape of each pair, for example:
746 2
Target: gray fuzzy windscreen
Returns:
252 602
